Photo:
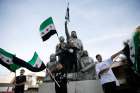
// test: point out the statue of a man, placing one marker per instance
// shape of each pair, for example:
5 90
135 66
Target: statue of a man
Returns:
85 62
75 46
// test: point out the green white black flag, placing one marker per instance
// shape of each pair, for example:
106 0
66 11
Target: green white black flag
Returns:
13 63
35 64
135 51
6 59
36 61
47 29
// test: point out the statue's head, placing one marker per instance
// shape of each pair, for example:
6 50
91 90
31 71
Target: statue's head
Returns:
73 34
138 29
126 42
52 58
61 39
85 53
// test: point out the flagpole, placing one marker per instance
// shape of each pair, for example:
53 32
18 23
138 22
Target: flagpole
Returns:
53 77
67 2
15 81
57 35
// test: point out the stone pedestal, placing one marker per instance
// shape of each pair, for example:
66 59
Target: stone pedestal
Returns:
84 86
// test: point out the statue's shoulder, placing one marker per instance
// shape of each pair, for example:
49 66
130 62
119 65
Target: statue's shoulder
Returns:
58 45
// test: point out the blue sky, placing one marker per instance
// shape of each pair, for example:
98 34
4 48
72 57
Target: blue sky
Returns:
102 25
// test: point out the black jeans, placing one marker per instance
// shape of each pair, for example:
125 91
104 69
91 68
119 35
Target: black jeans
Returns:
109 87
62 88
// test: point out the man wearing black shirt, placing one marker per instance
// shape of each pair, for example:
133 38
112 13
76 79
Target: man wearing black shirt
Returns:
63 67
20 82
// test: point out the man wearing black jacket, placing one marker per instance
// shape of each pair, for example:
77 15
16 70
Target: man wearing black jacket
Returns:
20 82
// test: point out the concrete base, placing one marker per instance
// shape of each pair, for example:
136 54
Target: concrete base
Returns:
85 86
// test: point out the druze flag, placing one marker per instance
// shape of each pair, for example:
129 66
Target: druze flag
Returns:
47 29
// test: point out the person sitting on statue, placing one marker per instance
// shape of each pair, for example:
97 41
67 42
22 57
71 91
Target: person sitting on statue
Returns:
62 53
65 57
75 46
60 48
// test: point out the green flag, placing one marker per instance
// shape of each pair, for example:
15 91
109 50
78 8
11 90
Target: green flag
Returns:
13 63
6 59
36 61
47 29
35 64
135 51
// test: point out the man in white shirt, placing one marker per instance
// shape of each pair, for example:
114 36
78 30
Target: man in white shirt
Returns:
105 73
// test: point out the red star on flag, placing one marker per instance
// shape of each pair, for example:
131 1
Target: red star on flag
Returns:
47 30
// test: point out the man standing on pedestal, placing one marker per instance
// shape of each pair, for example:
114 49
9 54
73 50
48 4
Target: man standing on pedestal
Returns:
105 73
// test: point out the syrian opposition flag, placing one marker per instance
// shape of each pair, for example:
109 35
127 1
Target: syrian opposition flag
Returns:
35 64
135 51
13 63
132 51
47 29
6 59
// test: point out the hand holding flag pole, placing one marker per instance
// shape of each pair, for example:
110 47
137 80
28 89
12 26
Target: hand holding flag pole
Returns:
52 77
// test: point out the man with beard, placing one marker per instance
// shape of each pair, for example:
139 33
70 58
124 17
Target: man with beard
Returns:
75 47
